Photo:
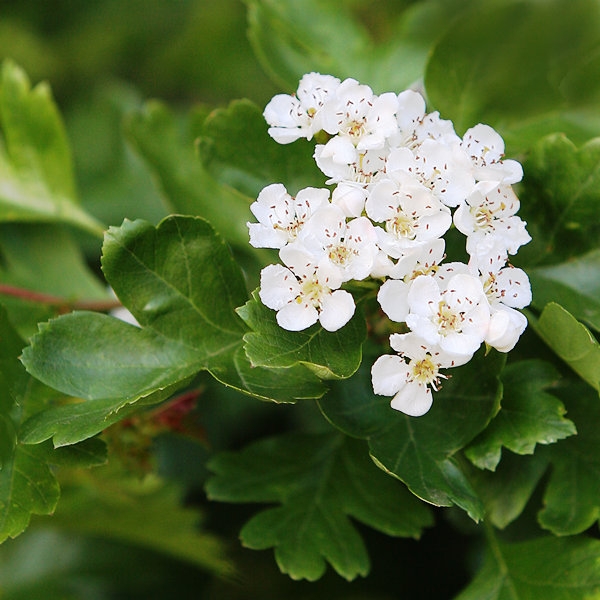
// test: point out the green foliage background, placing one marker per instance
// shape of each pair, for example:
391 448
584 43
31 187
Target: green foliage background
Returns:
158 113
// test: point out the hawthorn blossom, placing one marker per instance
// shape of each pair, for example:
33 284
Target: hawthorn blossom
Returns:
304 297
359 117
410 376
488 218
281 216
299 116
455 317
485 147
410 213
349 248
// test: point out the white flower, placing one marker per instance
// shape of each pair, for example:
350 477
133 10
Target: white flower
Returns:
303 298
455 317
280 216
506 290
411 214
488 218
349 247
294 117
485 147
359 116
410 377
444 169
350 197
342 162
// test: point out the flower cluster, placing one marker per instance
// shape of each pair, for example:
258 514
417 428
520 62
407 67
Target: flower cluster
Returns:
401 178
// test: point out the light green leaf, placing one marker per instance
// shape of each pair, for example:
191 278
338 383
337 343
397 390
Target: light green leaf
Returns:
236 147
518 66
571 341
528 416
572 497
187 185
420 451
320 481
548 568
36 174
293 37
574 284
330 355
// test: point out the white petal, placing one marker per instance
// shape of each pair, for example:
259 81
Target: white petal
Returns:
278 286
336 310
389 374
505 329
414 400
393 299
297 316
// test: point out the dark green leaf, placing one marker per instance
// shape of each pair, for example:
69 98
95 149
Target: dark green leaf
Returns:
549 568
320 480
574 284
572 497
189 188
35 160
91 452
561 199
571 341
330 355
518 65
236 147
419 451
529 415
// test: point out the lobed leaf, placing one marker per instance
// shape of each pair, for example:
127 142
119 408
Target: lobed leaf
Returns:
549 568
420 451
36 171
331 355
319 481
528 416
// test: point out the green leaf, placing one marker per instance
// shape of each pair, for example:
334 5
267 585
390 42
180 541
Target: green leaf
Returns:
97 357
529 415
549 568
293 37
571 341
35 160
27 483
169 276
236 147
518 66
507 490
572 497
562 199
420 451
320 481
574 284
330 355
187 185
88 453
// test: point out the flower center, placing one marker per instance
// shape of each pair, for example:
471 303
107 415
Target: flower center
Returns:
401 226
483 216
312 292
447 320
356 128
341 254
424 371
